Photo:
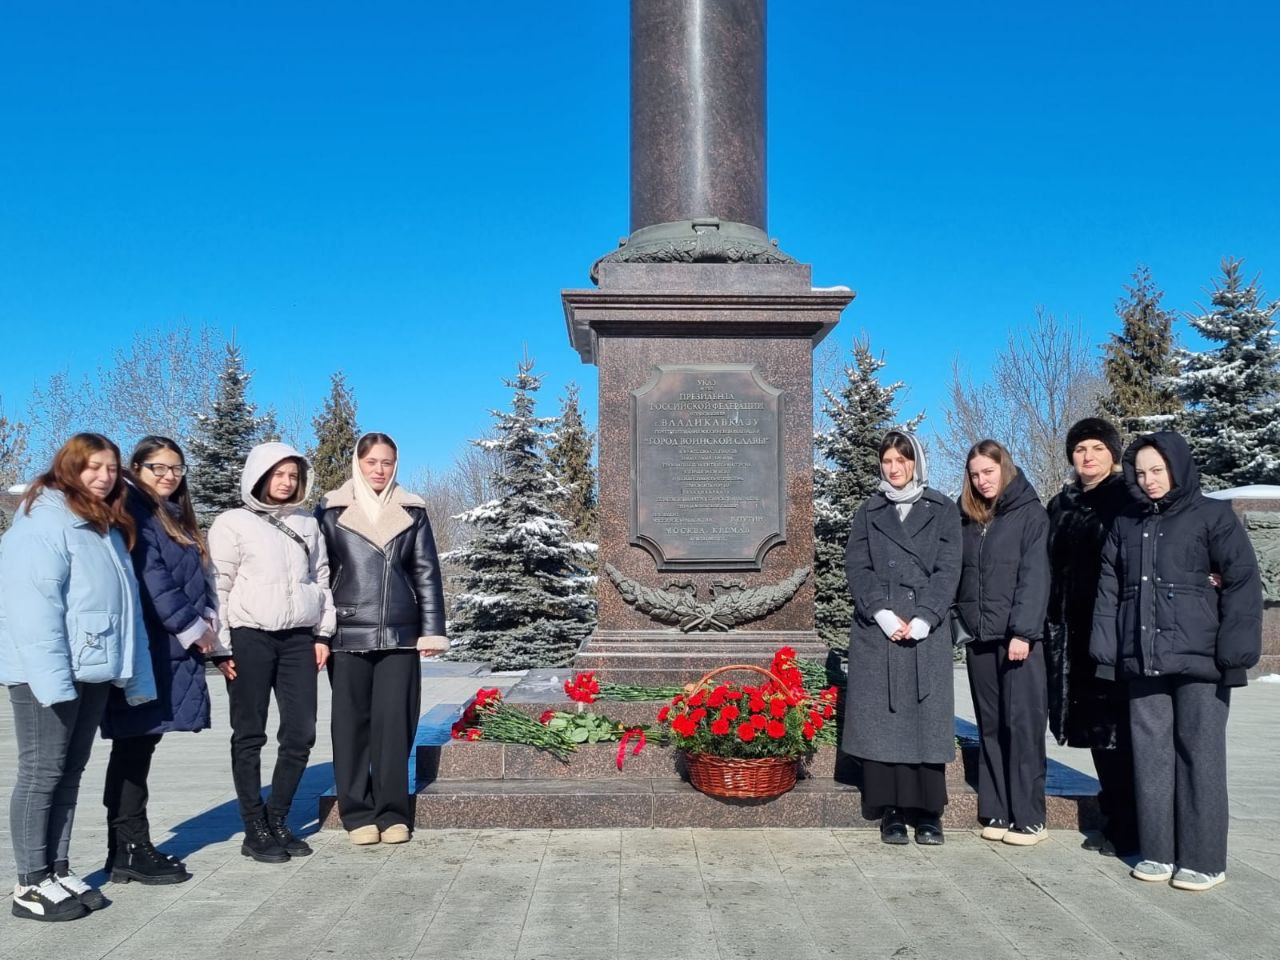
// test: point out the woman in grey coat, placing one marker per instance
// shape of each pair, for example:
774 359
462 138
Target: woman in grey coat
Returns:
903 562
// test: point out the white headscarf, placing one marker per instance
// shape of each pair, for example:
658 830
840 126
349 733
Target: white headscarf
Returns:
914 489
371 503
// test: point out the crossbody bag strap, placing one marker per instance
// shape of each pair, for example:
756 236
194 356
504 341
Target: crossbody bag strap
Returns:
288 531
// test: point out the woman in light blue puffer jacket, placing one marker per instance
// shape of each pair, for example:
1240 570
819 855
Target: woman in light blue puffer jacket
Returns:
70 628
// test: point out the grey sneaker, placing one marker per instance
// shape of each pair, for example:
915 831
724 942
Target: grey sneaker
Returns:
1186 879
1152 871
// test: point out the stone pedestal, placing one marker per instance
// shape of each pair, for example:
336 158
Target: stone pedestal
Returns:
1261 517
705 465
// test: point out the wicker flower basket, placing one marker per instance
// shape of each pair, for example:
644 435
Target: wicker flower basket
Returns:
736 777
732 777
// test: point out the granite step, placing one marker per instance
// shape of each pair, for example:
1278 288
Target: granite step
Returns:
615 803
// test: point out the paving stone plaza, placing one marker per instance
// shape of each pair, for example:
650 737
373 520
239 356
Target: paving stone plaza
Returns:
648 894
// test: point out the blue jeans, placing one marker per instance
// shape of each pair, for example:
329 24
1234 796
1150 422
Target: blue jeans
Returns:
54 744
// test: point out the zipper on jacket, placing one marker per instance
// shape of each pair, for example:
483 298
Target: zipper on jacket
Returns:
982 539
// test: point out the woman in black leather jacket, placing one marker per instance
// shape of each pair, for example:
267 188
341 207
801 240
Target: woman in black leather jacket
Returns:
387 590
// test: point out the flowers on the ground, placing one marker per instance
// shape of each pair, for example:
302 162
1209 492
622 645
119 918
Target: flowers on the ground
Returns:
583 688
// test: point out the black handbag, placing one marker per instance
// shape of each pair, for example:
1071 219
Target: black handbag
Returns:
960 632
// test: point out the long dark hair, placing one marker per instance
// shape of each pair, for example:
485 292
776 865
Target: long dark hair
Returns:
64 475
183 528
975 506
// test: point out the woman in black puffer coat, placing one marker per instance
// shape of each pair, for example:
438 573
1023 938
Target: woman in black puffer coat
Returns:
1085 711
1003 597
1179 645
179 607
390 604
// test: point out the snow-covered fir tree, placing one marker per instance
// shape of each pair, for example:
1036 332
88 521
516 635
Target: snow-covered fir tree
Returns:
524 598
13 457
1139 364
569 458
846 473
336 436
223 438
1232 390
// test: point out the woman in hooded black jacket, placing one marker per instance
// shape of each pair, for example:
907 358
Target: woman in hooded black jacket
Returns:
1179 645
1003 598
1085 711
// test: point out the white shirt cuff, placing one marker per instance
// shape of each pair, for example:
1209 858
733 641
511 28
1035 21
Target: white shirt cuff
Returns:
888 621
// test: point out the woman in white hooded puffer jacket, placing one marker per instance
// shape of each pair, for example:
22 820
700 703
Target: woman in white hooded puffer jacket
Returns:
277 615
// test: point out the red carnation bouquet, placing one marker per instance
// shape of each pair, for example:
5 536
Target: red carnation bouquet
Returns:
776 718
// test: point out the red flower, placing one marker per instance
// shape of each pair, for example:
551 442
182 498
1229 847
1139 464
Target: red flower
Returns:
663 714
698 714
777 708
815 720
697 699
758 721
717 697
756 703
684 726
486 697
734 694
808 731
582 688
730 712
785 653
829 694
827 711
546 716
474 733
720 727
776 729
746 732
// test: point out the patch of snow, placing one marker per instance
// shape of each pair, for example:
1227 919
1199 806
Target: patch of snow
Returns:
1255 491
1269 678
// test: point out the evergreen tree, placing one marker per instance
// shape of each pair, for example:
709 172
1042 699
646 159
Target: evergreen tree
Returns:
336 436
524 598
569 458
1140 365
1233 390
223 438
846 474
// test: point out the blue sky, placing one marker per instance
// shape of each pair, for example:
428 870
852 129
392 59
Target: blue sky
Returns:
401 190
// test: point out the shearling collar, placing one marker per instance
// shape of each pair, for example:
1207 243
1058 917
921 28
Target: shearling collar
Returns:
393 521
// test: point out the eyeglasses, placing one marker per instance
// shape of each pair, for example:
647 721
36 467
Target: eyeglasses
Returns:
163 469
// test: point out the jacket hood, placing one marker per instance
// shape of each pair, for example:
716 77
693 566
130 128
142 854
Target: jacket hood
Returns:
1018 493
262 460
1182 469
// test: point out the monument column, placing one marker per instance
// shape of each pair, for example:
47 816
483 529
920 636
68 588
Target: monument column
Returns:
703 332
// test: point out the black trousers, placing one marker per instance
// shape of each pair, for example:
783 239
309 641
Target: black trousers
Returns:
921 787
125 792
376 700
1011 699
1116 799
1179 729
282 662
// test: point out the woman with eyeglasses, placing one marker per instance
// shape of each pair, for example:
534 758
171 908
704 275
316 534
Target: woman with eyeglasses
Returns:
179 604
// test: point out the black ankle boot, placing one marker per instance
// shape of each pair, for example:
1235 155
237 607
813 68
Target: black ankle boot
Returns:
145 864
893 826
284 836
261 844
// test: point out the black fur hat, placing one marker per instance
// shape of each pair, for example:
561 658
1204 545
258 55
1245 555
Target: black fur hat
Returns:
1094 428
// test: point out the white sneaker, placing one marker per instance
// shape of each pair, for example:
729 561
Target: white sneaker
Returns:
71 882
46 900
1026 836
1153 871
1186 879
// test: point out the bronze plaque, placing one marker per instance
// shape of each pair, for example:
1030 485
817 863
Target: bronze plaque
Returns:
706 467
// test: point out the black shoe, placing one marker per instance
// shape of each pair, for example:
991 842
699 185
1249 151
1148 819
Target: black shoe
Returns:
147 865
43 898
91 897
284 836
929 831
1093 842
261 844
893 827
